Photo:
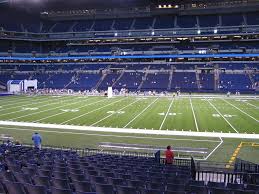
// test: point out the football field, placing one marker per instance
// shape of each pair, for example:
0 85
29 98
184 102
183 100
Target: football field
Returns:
20 115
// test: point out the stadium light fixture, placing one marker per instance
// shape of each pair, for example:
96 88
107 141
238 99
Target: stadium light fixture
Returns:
198 31
215 31
152 33
115 34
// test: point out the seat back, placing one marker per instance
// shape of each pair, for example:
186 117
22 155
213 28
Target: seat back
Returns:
33 189
14 187
104 188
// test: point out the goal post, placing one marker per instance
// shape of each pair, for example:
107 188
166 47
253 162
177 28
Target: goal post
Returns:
109 93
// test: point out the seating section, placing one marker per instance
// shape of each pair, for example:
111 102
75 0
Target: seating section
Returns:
55 171
138 77
156 81
85 81
163 22
207 81
209 21
186 21
232 20
235 82
185 81
108 81
157 22
129 80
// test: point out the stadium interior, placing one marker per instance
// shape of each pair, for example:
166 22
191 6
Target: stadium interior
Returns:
110 84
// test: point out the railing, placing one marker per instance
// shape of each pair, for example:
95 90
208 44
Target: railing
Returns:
217 166
228 177
79 151
245 166
178 162
90 152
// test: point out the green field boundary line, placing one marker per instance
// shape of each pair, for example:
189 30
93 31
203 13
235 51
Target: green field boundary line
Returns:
107 135
133 131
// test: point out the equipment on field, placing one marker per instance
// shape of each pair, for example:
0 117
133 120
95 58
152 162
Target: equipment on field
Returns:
19 86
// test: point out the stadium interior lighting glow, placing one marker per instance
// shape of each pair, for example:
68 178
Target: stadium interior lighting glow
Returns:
198 32
215 31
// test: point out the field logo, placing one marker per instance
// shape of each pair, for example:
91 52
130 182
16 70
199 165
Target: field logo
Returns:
30 108
226 115
116 112
69 110
170 114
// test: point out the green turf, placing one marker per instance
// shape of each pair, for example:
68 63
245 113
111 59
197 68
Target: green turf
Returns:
218 115
131 112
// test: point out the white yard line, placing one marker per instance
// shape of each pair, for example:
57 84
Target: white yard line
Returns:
223 117
68 112
241 110
106 135
140 113
194 116
168 110
132 131
27 104
47 104
221 142
47 109
91 111
115 112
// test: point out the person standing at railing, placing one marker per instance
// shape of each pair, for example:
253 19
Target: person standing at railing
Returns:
169 155
36 138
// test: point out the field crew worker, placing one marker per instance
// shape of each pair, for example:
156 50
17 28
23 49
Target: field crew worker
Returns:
36 138
169 155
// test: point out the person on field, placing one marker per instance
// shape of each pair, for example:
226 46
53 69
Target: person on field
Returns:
169 155
36 138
